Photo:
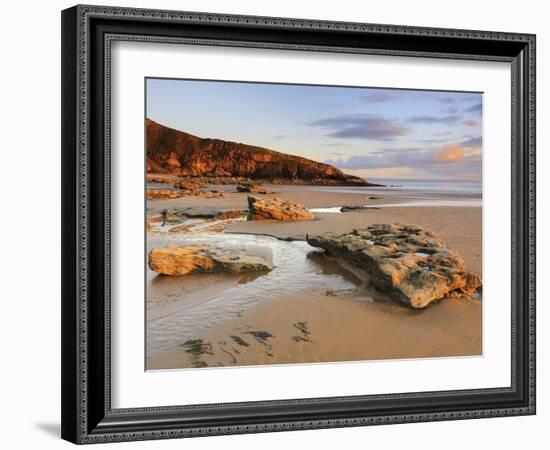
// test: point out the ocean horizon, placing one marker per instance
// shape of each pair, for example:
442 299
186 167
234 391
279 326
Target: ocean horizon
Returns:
432 185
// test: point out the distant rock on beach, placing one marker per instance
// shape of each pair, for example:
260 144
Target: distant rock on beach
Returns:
253 189
407 262
277 209
162 194
356 208
173 260
189 185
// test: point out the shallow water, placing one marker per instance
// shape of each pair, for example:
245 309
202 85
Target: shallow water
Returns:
412 201
192 304
436 202
401 188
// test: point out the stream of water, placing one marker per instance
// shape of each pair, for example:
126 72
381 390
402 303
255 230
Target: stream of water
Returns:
175 312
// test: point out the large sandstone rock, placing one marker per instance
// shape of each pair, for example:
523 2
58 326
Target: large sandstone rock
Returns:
277 209
407 262
175 260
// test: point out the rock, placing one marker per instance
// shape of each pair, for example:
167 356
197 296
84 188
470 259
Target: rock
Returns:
189 186
154 219
160 194
201 193
170 216
175 260
206 194
356 208
220 180
230 214
162 178
277 209
253 189
181 228
179 215
407 262
219 222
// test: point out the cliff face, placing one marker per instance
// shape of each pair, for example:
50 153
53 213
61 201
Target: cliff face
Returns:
174 152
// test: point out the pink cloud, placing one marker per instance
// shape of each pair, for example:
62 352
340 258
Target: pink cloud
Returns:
450 153
471 122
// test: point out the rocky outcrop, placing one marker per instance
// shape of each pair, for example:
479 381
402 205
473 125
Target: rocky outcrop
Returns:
174 260
161 194
407 262
277 209
174 152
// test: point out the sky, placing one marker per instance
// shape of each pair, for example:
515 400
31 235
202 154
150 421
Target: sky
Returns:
369 132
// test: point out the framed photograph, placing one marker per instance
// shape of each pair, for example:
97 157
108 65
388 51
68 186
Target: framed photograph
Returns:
280 224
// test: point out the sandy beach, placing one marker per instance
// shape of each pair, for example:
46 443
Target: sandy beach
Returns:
309 308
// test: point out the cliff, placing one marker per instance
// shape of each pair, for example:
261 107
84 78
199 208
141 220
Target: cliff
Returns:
174 152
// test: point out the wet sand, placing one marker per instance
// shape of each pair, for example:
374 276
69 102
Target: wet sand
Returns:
213 320
312 328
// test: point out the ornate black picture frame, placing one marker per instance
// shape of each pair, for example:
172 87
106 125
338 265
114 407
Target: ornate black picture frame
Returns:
87 34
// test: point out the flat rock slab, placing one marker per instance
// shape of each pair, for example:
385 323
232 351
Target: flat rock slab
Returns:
173 260
277 209
407 262
253 189
179 215
160 194
189 185
356 208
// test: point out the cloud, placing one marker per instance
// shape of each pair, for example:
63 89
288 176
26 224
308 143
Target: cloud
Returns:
453 160
471 123
438 141
472 142
449 119
450 153
387 157
361 126
473 108
379 97
397 150
447 99
390 172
